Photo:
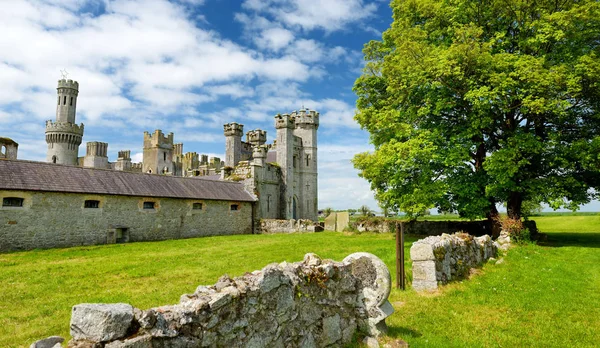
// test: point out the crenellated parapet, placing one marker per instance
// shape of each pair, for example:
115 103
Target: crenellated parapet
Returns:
305 117
284 121
259 151
256 137
70 84
96 148
233 129
158 139
64 127
124 155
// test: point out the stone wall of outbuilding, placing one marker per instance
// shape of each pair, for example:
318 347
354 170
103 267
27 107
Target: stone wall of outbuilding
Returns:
51 220
313 303
440 259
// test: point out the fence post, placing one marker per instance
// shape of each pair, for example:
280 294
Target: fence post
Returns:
400 256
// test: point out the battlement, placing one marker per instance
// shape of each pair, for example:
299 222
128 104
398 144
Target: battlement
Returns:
178 149
204 159
306 117
256 137
64 127
283 121
68 84
96 148
158 139
233 129
191 156
124 155
259 151
136 167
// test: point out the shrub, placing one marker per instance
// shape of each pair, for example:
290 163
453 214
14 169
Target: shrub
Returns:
518 233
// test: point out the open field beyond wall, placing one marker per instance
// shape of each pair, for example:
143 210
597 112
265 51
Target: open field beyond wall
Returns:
542 296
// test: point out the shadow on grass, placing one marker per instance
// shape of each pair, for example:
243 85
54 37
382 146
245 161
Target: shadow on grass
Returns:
562 239
402 332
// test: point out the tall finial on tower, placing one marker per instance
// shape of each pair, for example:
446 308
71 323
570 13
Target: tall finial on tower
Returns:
64 74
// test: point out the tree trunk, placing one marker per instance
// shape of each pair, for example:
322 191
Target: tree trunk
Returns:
515 200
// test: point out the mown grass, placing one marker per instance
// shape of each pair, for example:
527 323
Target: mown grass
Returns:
546 295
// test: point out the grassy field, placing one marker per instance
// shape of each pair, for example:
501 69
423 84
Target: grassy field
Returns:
541 295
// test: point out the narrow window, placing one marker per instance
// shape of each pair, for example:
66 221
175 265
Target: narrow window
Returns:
268 203
307 159
58 100
90 203
148 205
235 207
295 161
12 202
65 100
164 156
71 101
197 206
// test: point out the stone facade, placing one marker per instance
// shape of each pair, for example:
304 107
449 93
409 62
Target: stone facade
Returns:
283 175
54 219
440 259
314 303
64 136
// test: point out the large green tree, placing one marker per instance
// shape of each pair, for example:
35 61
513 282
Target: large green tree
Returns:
471 104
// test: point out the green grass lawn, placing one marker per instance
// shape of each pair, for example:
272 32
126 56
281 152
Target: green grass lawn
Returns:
546 295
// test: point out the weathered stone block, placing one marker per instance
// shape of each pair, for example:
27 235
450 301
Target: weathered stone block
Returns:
343 220
421 252
50 342
100 322
330 222
424 270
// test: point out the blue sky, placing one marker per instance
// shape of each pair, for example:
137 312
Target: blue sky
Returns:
188 67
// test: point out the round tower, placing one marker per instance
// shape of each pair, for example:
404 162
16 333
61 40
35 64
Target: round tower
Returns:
64 136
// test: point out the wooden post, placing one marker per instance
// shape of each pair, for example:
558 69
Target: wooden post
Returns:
400 255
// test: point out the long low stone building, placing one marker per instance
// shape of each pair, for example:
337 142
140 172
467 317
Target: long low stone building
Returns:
48 205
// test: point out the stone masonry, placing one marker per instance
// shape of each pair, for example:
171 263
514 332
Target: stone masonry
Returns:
313 303
440 259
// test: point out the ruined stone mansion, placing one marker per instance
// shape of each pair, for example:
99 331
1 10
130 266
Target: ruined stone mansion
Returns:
72 200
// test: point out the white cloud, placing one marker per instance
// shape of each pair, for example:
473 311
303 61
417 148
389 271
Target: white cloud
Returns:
138 55
328 15
274 38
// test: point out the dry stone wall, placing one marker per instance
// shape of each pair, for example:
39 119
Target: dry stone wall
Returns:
439 259
313 303
270 226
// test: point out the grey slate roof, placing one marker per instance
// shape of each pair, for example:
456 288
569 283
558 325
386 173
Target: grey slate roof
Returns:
40 176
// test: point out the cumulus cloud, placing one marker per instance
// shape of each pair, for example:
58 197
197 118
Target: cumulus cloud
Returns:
328 15
134 55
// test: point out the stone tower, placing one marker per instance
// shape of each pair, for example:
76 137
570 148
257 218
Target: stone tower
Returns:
233 143
306 125
284 126
96 155
256 137
8 149
158 153
64 136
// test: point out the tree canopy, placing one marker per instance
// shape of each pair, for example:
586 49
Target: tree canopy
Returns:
471 104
